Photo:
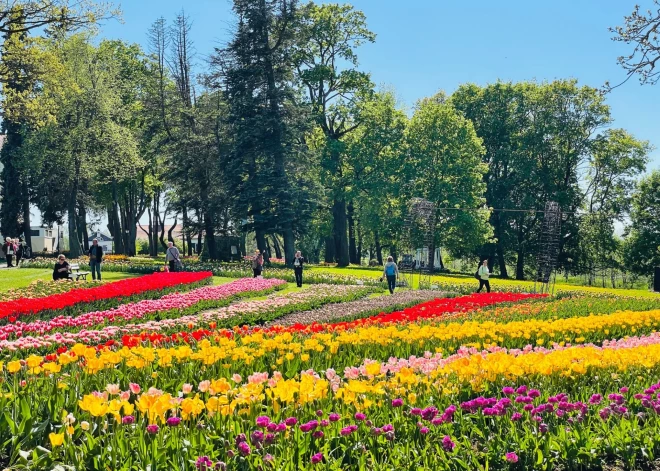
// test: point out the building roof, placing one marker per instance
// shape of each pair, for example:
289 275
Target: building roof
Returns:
102 237
142 234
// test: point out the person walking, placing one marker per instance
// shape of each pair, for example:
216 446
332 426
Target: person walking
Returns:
9 250
391 272
257 263
61 270
19 251
95 259
483 274
172 257
298 262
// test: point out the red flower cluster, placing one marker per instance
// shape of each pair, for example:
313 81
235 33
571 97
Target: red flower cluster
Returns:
427 310
11 310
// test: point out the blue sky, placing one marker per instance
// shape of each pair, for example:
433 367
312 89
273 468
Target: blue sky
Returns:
423 46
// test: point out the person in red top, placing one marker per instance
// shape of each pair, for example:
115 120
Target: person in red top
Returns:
9 250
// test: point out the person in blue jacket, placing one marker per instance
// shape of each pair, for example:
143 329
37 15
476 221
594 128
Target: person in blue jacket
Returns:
391 272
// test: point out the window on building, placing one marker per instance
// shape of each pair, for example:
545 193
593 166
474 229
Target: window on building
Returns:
34 232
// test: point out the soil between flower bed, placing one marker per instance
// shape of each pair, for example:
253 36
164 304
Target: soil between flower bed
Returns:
367 306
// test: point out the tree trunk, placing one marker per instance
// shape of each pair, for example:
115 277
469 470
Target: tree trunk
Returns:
329 250
74 237
359 245
82 226
379 249
199 242
340 233
499 248
170 238
352 245
209 236
520 262
116 225
278 248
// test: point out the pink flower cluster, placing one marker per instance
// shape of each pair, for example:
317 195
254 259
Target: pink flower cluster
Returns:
126 312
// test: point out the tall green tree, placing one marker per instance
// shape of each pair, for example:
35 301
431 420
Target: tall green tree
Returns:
445 154
327 63
20 77
265 119
377 170
642 245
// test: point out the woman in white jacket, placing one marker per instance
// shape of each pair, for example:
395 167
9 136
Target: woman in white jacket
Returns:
484 273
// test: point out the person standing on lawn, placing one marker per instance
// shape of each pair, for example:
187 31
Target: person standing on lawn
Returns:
61 270
9 250
95 259
298 262
257 263
484 273
19 251
391 272
172 257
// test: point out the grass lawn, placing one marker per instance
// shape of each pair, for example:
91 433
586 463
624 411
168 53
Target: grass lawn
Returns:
22 277
494 282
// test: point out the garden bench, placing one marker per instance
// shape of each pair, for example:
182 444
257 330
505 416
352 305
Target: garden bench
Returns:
78 274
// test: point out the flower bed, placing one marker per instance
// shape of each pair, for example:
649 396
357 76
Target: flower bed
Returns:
43 288
178 311
80 300
358 309
450 384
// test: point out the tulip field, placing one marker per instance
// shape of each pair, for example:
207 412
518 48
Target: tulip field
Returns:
169 372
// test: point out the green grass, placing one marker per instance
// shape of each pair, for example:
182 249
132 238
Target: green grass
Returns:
494 282
21 277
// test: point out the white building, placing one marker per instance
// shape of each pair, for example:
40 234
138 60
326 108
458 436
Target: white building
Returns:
105 241
42 239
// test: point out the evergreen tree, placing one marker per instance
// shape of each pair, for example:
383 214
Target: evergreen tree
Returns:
265 120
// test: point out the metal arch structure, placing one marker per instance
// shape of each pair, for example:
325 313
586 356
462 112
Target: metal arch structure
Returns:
420 218
549 245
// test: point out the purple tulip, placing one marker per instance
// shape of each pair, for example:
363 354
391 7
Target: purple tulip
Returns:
203 463
244 449
128 420
319 413
318 434
424 430
511 457
397 402
263 421
153 429
595 399
291 421
508 390
334 417
317 458
360 416
173 421
516 416
257 437
448 444
269 439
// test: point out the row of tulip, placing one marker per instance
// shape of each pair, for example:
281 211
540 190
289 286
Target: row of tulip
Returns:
80 300
43 288
593 405
203 308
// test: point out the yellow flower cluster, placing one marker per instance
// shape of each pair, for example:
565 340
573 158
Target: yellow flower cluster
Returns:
475 370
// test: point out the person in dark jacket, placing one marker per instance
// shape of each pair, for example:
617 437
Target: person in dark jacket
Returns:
61 270
95 259
9 250
298 262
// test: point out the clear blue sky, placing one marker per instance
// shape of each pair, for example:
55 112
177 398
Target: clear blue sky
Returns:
423 46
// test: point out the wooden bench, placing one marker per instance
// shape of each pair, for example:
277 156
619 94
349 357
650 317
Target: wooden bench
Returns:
78 274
